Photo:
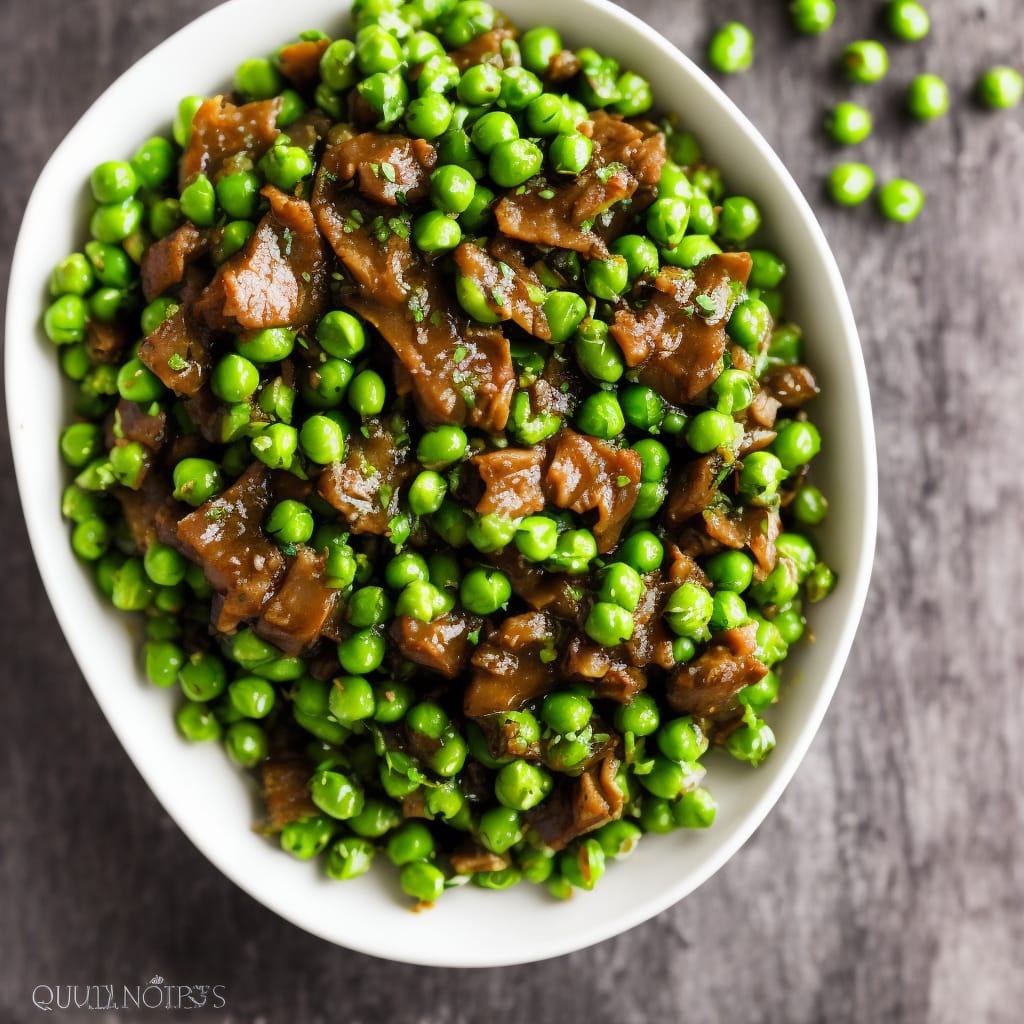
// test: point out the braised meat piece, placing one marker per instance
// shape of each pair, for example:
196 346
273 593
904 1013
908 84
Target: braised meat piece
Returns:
651 642
471 858
514 664
708 686
587 474
300 64
391 169
279 279
220 130
693 489
178 352
790 386
754 528
512 481
443 646
285 782
554 592
561 214
678 337
488 48
512 293
604 669
105 342
365 487
225 537
578 806
132 422
457 370
164 261
296 615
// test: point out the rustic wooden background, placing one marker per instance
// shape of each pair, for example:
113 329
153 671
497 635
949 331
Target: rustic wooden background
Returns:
888 885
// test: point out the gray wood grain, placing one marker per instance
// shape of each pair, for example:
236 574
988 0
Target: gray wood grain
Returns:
887 885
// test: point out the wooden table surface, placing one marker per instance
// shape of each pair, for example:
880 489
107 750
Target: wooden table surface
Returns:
888 885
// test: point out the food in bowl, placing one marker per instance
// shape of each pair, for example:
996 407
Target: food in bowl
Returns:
433 411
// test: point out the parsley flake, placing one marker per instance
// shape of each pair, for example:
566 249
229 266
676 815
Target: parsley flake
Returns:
176 363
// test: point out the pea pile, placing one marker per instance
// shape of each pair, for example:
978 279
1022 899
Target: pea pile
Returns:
866 62
208 480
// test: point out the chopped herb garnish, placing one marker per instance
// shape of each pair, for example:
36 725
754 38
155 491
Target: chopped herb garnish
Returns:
176 363
547 193
623 480
388 170
707 304
606 173
460 353
215 513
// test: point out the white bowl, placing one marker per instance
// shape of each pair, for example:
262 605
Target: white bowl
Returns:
209 798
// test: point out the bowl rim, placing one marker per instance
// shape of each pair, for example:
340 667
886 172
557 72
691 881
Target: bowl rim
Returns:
23 306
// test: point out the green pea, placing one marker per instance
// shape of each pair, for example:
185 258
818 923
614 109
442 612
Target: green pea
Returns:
439 74
322 440
72 276
110 264
682 739
246 743
519 87
423 601
848 123
258 79
607 279
734 390
361 653
428 116
791 624
377 50
691 251
80 443
752 742
622 585
285 166
564 311
184 115
114 222
688 610
478 213
799 550
441 447
565 712
484 591
269 345
491 532
796 443
203 677
234 378
290 522
710 430
98 475
276 446
387 94
546 115
730 570
695 809
406 568
492 129
163 661
536 538
199 202
197 723
750 324
900 200
451 523
514 162
137 383
757 696
238 194
731 49
908 20
643 551
574 552
821 581
640 254
233 237
703 215
521 785
435 231
367 393
927 97
480 85
779 587
812 17
500 828
729 611
338 65
114 181
156 312
90 539
128 462
667 219
65 320
336 794
618 839
601 416
412 842
809 506
865 61
349 858
307 837
739 219
164 217
467 21
452 188
583 867
422 881
529 428
537 46
154 161
251 696
649 500
597 355
760 476
197 480
570 153
654 459
164 565
850 183
341 334
420 46
635 95
1000 87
